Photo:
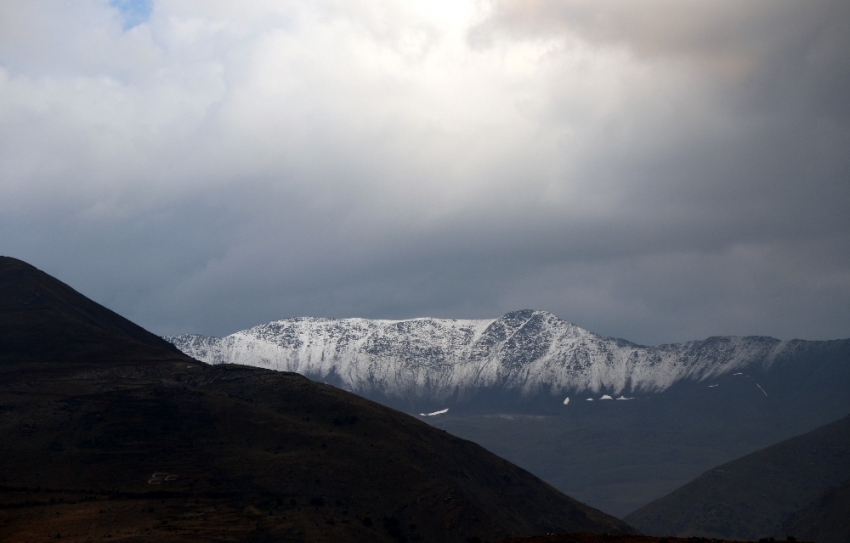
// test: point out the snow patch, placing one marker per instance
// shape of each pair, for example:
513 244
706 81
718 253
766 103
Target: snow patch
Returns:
440 412
624 398
606 397
567 400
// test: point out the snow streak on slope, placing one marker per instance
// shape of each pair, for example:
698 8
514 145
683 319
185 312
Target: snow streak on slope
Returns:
529 352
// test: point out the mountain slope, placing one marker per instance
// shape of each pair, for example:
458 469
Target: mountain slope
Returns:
175 450
429 362
752 497
44 319
825 520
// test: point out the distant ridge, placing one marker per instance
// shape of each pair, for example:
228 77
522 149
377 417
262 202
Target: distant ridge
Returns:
427 362
42 318
787 486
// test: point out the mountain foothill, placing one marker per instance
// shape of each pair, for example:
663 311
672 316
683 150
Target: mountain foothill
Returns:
800 486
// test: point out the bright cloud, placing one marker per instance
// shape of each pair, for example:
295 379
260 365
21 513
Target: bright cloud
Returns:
655 170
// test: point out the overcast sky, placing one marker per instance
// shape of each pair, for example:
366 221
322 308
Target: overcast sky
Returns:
655 170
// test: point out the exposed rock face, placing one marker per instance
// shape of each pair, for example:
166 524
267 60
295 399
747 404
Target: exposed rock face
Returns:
431 360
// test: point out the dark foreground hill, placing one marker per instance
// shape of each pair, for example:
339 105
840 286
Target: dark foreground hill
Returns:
125 439
798 487
42 319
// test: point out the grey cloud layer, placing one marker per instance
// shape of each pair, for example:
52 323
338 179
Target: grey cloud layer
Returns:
652 170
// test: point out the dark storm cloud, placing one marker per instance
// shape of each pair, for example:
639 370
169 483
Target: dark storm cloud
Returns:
657 171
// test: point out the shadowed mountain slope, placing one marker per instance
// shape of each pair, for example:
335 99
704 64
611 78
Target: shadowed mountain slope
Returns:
762 494
101 442
44 319
825 520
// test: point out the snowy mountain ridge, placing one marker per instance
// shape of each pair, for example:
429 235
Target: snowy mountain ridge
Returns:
529 352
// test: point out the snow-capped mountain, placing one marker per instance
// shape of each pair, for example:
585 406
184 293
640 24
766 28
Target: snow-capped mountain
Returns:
430 360
503 383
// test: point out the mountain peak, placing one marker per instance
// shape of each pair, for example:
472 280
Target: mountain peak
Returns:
426 362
